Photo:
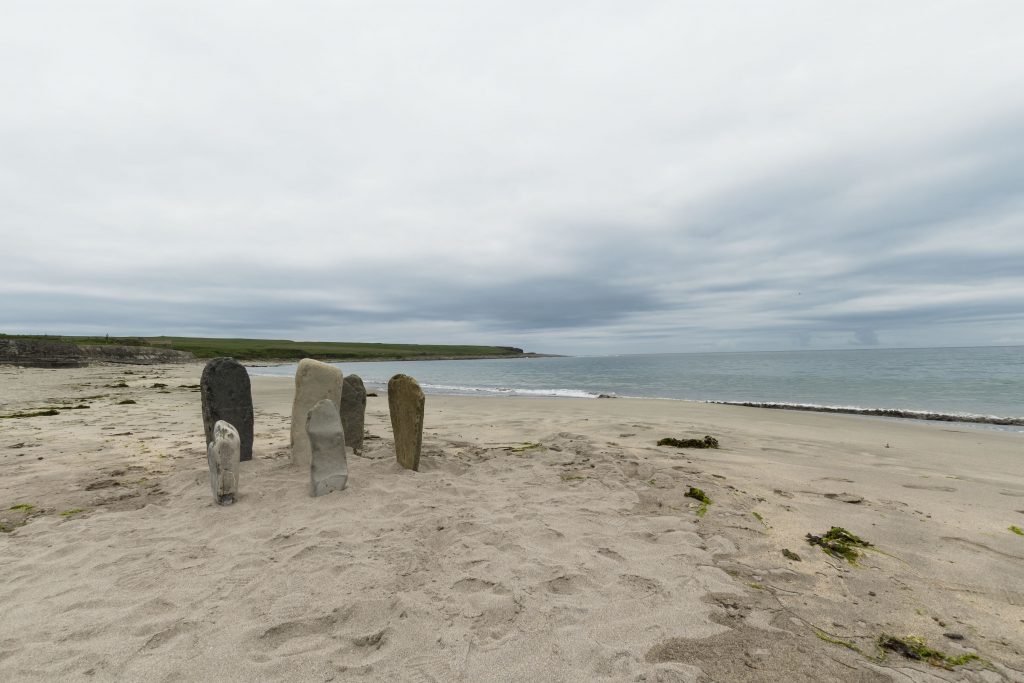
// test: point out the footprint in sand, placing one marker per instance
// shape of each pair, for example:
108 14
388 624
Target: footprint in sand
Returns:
371 640
473 585
641 586
929 487
490 607
276 636
980 546
428 670
565 585
168 635
851 498
609 553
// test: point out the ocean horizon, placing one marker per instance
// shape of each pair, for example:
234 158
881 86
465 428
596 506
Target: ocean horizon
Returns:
969 384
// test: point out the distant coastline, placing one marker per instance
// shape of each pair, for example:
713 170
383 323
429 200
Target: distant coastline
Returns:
269 362
77 351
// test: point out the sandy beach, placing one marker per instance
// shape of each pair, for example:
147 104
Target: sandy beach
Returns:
542 540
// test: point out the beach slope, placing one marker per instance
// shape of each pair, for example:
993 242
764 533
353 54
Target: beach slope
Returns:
543 539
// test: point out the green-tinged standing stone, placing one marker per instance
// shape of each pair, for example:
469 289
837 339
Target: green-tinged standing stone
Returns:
406 401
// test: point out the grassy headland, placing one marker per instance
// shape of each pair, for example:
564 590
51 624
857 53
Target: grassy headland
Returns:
288 350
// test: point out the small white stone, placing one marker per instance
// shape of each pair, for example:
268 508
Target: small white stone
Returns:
223 455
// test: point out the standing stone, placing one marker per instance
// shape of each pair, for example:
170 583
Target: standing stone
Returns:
405 401
328 469
223 455
353 411
227 395
314 381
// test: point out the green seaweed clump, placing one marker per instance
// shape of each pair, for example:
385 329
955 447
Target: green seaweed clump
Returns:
525 447
697 494
72 511
38 413
706 442
837 641
839 543
790 555
913 647
24 507
1017 530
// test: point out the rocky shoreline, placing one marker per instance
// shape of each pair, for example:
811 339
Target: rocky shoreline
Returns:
33 353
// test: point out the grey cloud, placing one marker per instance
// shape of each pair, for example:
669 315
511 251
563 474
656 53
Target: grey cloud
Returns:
343 172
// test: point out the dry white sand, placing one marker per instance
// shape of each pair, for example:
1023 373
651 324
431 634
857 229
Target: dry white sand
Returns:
579 559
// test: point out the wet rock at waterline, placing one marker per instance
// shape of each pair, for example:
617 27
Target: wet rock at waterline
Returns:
353 411
314 381
328 465
405 401
223 454
227 395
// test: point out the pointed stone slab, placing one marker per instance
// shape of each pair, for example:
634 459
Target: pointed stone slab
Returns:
314 381
328 469
227 395
405 401
223 455
353 411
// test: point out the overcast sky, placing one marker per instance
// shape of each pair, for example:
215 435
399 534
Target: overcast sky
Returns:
577 177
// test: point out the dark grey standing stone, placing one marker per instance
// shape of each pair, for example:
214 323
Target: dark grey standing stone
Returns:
353 411
405 402
328 470
222 455
227 395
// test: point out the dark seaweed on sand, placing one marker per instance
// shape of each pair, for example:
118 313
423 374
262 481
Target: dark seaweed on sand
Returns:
839 543
706 442
38 413
913 647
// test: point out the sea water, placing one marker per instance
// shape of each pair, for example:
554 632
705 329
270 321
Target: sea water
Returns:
980 381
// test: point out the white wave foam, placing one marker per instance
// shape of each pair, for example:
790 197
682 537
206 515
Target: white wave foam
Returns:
507 391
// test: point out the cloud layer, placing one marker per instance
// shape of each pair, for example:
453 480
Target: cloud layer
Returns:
571 179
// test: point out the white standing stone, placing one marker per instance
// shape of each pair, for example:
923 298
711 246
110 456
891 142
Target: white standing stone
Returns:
223 455
314 381
328 469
